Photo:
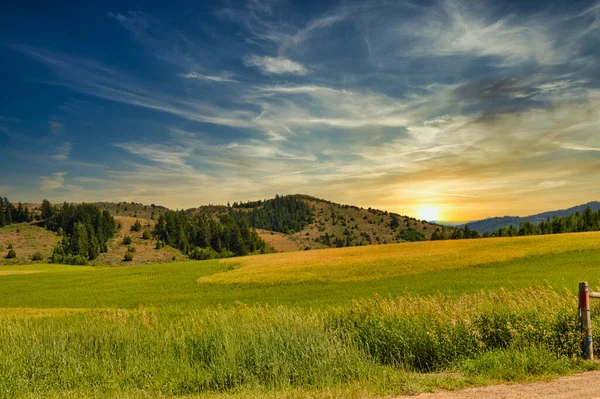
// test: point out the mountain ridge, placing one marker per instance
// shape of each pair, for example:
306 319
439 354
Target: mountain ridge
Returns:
492 224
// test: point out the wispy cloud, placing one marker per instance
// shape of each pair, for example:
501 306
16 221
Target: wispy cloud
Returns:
458 29
381 104
55 127
62 152
576 147
195 75
53 182
276 65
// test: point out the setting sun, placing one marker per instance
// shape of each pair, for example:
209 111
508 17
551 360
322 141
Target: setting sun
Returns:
428 213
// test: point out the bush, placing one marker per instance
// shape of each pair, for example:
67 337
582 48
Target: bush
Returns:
128 257
131 249
11 254
203 254
159 244
137 226
127 240
10 246
78 260
37 256
146 235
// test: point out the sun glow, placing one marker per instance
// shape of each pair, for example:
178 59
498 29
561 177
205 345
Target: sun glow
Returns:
428 213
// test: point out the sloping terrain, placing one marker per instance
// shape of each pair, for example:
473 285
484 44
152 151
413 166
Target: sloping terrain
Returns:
495 223
331 225
390 261
25 239
359 226
132 209
145 249
337 225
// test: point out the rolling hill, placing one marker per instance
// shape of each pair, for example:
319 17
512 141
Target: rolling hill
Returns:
336 225
316 224
493 224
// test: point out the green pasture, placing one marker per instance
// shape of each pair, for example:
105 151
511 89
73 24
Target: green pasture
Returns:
214 329
180 285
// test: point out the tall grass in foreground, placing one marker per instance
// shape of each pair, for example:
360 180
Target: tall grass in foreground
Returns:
378 344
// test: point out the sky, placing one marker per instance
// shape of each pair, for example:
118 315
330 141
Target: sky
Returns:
468 109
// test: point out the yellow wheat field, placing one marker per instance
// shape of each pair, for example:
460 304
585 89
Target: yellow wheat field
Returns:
377 262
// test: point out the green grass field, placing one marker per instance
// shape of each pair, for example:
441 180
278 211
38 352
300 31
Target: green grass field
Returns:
352 322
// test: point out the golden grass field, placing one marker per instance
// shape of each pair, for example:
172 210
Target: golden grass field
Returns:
383 261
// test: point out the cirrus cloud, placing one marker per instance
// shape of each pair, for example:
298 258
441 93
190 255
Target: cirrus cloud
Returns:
275 65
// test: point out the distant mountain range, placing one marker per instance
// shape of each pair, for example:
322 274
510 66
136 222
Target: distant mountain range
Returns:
495 223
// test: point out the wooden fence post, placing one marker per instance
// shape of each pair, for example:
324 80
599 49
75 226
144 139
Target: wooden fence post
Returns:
585 321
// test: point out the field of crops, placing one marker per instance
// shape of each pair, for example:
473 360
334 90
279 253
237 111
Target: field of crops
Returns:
352 322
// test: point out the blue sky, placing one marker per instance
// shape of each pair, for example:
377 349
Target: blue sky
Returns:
475 108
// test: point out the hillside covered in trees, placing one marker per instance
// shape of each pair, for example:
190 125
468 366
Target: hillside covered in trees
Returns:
204 237
287 214
283 223
576 222
10 214
84 228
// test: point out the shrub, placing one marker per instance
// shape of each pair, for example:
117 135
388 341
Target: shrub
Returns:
59 256
146 235
78 260
159 244
37 256
131 249
137 226
10 246
11 254
127 240
128 257
203 254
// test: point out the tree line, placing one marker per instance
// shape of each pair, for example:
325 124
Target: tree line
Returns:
587 220
284 214
10 214
203 237
85 229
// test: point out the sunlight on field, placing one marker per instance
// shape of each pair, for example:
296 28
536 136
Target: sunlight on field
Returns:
12 272
39 313
377 262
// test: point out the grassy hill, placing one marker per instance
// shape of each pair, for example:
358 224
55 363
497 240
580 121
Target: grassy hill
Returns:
348 224
132 209
26 240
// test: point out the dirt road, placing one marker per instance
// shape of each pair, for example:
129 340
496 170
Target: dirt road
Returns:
581 386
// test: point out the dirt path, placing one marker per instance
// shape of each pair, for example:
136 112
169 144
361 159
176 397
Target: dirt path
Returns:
581 386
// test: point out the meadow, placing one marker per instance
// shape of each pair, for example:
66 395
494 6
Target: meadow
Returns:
351 322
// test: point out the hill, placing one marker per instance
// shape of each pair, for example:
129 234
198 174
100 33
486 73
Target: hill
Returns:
330 224
26 240
286 223
132 209
493 224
